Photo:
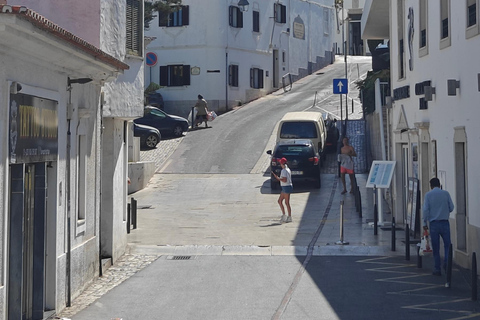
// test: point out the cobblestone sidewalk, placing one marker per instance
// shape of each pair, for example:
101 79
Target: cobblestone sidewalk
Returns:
124 268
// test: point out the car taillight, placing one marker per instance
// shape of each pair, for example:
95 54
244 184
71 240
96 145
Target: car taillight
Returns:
274 161
314 160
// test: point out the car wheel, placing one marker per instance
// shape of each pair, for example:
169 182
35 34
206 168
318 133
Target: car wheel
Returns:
177 131
151 141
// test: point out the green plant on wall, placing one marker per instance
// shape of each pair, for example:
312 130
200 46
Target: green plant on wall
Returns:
367 88
152 87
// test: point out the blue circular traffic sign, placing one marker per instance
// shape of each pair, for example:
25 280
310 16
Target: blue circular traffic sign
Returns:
151 58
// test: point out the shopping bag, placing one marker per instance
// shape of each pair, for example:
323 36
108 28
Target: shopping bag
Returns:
211 116
425 245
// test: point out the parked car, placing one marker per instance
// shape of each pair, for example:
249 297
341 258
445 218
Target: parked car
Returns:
167 124
332 134
302 159
303 125
149 136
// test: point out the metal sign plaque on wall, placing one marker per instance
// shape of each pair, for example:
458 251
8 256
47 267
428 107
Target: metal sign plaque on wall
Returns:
33 132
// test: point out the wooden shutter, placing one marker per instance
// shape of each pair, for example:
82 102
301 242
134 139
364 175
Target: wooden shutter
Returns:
134 27
252 83
284 13
230 15
185 15
260 78
233 75
256 21
164 76
162 20
239 18
186 75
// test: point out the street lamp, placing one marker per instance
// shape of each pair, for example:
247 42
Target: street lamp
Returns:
243 4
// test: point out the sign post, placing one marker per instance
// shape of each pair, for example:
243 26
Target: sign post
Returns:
380 177
151 60
340 86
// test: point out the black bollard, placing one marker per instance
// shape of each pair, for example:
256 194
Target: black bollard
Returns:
393 233
359 202
449 267
474 277
128 217
419 257
407 243
134 213
356 198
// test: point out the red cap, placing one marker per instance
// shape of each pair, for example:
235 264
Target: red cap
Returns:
283 160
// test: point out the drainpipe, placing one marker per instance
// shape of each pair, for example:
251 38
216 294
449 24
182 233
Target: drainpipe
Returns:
68 184
67 165
99 177
226 79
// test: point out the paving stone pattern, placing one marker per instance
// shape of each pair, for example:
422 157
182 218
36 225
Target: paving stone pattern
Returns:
124 268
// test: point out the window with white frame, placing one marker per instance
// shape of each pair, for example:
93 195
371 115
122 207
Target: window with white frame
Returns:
233 75
235 17
134 26
326 21
444 23
401 42
179 17
473 27
256 21
81 176
280 13
256 78
175 75
471 13
423 22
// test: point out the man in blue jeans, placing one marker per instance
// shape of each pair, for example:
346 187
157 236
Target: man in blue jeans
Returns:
436 211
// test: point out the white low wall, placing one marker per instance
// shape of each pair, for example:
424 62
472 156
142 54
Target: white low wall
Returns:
140 174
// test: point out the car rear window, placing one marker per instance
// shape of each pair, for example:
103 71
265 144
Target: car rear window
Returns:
285 151
298 130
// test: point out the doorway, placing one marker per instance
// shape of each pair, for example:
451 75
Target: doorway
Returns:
26 280
461 189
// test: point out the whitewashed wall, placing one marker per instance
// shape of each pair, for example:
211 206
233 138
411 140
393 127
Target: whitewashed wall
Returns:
445 113
208 42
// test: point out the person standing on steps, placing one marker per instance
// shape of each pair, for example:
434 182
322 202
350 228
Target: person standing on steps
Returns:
436 211
346 165
287 188
202 111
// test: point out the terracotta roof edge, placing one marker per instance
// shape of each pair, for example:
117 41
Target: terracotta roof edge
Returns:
47 25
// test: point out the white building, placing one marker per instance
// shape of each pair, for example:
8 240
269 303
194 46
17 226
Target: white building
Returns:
348 28
211 47
435 84
72 80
